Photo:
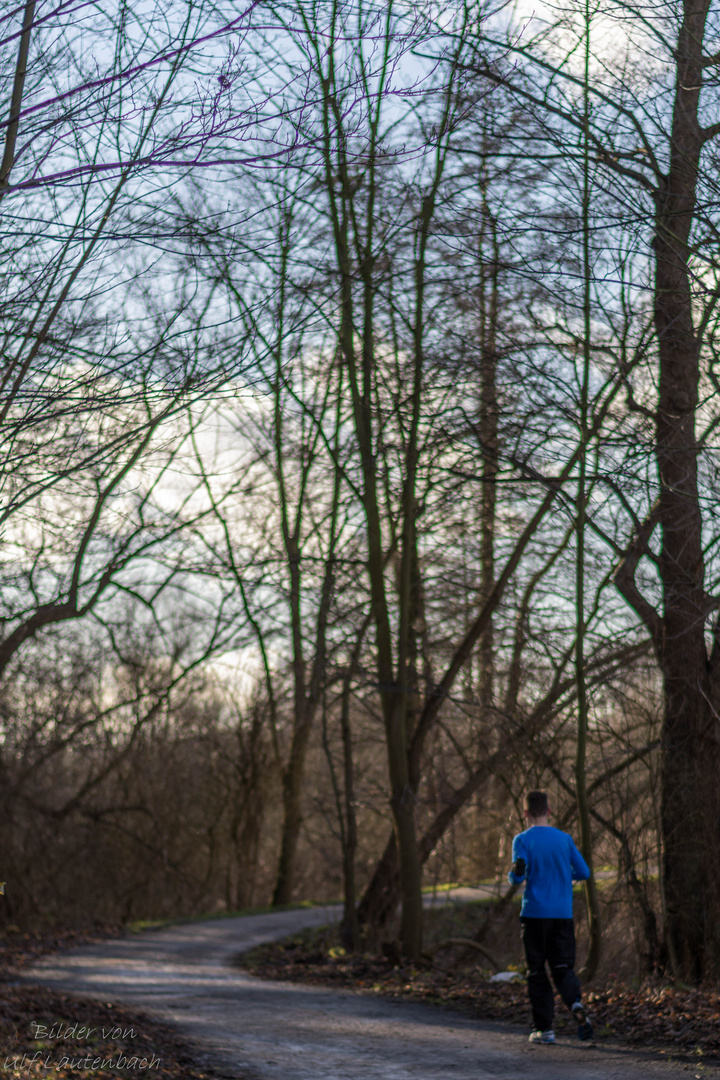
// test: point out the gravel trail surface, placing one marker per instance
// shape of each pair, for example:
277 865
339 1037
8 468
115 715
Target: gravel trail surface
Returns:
248 1029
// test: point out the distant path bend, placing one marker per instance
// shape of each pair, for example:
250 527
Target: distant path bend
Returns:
255 1030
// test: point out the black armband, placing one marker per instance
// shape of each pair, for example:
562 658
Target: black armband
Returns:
519 868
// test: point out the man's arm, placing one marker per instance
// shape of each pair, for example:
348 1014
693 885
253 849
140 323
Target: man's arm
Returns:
580 869
516 875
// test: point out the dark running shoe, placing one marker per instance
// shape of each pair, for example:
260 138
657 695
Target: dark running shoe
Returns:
584 1030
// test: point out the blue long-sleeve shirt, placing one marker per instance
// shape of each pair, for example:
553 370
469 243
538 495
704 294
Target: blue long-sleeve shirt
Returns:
552 863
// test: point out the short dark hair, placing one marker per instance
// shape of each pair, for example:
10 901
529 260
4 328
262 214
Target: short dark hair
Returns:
536 803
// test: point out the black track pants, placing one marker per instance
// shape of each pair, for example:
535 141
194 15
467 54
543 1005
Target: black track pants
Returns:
551 941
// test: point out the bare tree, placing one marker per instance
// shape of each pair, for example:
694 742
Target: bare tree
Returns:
653 146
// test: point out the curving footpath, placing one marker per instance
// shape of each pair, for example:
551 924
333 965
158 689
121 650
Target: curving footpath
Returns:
248 1029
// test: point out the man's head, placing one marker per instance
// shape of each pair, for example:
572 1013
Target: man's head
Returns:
536 805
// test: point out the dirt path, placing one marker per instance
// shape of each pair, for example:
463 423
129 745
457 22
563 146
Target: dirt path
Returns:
255 1030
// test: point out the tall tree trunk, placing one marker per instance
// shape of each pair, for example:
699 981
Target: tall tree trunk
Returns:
381 896
691 734
292 785
489 438
306 691
349 924
591 897
345 799
488 429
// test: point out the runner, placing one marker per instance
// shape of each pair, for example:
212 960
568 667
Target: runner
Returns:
548 862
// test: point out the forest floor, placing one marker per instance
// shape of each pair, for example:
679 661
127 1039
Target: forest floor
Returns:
649 1013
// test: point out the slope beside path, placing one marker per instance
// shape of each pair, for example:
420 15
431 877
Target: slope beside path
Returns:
248 1029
